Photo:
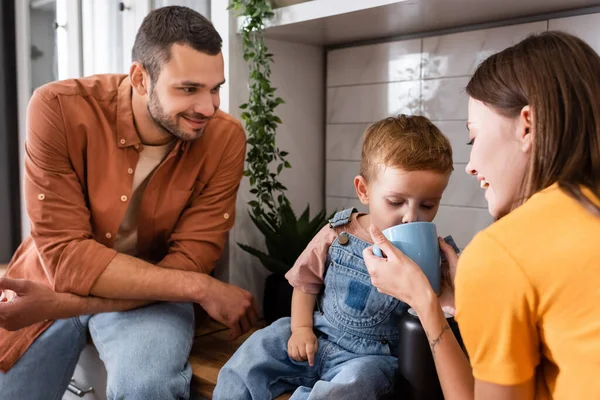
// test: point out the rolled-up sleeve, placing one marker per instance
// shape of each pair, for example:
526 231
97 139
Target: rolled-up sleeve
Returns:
56 203
308 272
197 242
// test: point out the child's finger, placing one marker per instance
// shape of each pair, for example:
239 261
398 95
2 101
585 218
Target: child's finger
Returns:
302 352
310 353
293 353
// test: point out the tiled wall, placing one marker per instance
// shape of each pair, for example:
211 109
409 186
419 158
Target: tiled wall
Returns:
420 76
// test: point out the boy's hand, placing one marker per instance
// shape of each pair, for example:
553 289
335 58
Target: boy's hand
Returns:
303 345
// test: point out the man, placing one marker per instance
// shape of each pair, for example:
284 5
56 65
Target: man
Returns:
130 186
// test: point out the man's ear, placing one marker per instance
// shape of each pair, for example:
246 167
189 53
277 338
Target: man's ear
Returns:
139 78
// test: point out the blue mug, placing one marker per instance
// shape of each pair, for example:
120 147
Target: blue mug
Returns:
419 241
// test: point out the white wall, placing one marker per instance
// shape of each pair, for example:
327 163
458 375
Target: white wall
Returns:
202 6
427 76
298 74
44 67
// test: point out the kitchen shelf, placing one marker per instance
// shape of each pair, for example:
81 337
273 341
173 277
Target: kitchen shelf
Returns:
332 22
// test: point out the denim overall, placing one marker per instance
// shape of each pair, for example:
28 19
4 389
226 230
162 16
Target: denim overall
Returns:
356 328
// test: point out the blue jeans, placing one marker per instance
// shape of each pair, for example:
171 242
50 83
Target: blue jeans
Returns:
262 369
145 352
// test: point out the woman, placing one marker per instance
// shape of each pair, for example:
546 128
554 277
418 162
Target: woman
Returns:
527 294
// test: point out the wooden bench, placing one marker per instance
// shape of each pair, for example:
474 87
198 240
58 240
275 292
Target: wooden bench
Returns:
211 350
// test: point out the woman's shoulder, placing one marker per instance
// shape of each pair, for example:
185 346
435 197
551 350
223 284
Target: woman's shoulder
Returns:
540 236
546 215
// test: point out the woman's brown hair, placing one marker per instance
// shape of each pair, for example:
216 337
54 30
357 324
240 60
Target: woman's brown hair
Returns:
558 76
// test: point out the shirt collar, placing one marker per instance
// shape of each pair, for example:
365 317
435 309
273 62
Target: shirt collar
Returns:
126 132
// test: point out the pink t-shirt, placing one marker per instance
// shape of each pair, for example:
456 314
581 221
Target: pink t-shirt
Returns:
308 272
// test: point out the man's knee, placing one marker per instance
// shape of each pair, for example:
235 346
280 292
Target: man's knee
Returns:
133 382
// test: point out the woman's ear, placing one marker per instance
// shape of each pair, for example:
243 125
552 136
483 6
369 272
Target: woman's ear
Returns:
362 189
525 129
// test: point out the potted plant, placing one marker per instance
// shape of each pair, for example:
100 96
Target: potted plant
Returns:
286 236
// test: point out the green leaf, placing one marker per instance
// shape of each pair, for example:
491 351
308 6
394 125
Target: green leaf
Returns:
261 123
272 264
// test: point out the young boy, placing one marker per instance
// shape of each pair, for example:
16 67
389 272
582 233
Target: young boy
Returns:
347 349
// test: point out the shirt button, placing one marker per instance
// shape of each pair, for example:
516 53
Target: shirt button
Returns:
384 341
108 235
122 141
343 240
41 196
130 171
123 198
226 216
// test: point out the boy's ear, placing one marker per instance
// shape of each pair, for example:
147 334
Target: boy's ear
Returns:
362 189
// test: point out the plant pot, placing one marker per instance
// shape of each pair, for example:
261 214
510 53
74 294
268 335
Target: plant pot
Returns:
277 300
285 3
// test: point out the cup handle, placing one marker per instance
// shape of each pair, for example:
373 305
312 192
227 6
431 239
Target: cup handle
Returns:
448 239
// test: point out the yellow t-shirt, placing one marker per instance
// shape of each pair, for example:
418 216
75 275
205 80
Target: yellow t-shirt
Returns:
528 298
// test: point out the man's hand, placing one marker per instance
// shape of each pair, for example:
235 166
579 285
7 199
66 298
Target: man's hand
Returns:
303 345
25 302
230 305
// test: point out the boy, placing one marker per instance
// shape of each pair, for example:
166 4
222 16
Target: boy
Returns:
347 348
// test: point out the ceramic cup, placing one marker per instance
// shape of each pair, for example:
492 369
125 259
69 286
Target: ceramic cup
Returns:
419 241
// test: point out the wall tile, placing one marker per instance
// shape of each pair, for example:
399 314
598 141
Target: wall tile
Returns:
585 27
461 222
340 178
370 103
344 142
457 133
459 54
384 62
463 190
445 99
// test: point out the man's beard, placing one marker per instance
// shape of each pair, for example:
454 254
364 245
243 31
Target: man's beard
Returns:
158 115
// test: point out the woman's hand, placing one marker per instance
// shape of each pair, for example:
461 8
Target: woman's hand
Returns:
448 274
397 275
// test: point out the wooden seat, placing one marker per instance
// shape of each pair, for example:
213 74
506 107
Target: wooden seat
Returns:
211 350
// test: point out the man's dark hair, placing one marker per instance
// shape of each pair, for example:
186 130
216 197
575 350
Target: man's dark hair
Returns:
166 26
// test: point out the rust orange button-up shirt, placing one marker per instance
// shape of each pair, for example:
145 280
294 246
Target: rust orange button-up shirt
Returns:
80 149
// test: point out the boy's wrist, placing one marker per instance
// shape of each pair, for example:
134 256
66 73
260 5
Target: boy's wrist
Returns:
301 328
